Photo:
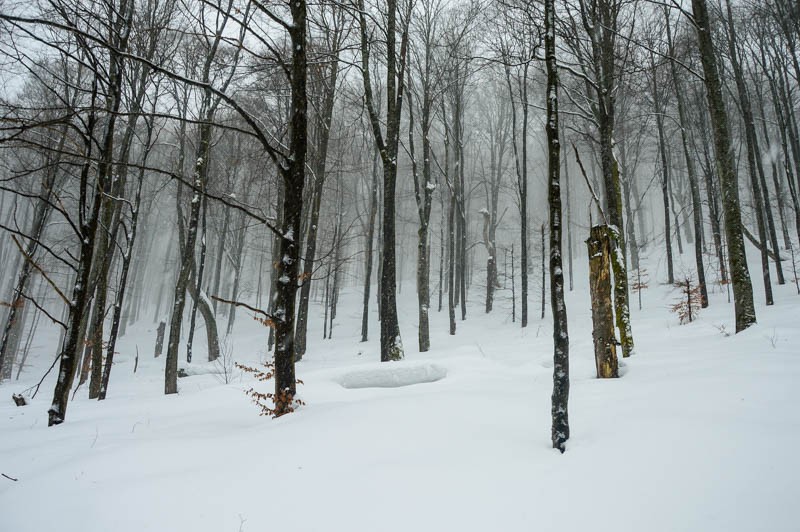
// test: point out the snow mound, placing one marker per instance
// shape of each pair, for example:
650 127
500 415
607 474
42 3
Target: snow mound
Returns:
198 369
392 375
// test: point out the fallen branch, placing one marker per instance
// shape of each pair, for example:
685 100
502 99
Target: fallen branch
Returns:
39 384
267 315
758 244
589 185
41 271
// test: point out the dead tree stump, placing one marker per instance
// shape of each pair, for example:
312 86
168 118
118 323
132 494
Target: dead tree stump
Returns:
160 338
605 351
19 400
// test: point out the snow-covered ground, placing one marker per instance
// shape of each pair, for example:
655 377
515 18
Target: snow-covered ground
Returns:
700 433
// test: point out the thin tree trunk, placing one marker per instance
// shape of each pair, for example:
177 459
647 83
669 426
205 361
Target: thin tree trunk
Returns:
88 230
237 273
126 262
544 271
560 397
391 343
697 214
196 280
754 165
662 151
223 235
370 240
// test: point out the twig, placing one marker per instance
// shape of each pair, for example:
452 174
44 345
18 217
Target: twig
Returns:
9 478
245 305
588 184
40 270
39 384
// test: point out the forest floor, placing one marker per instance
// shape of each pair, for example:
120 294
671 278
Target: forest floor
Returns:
700 433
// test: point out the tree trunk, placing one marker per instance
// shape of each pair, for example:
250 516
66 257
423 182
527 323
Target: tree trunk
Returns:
713 205
196 281
544 272
160 339
220 254
294 180
126 262
391 343
766 226
662 151
605 351
370 240
740 276
560 397
186 263
451 289
237 272
694 187
15 318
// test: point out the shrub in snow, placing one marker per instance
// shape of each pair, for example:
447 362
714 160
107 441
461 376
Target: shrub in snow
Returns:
267 401
688 306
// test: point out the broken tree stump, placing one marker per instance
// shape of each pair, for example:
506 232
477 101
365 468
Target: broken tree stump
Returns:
160 338
19 400
605 342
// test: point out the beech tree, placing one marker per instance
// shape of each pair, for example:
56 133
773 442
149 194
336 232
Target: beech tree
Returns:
387 146
560 429
740 276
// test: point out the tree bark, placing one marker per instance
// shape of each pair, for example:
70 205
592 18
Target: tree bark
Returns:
605 351
391 343
765 224
560 397
742 289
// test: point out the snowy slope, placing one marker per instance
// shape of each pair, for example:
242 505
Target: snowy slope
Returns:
699 434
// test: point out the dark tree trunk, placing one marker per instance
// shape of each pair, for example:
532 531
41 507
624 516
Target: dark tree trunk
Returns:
766 226
391 343
628 198
196 281
126 262
560 397
521 166
665 182
569 224
293 180
81 294
238 256
544 271
513 289
370 240
451 232
423 194
160 339
222 237
740 276
451 288
320 159
712 195
697 214
186 262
